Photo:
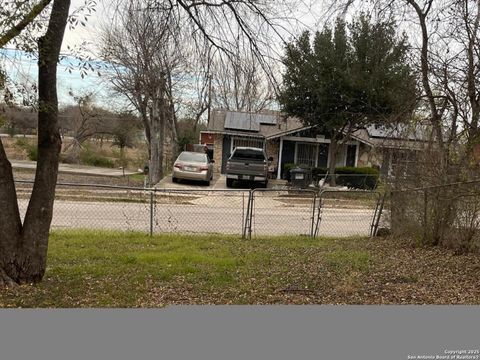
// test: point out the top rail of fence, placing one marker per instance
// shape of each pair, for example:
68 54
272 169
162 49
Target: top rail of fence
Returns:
210 190
476 181
143 189
290 189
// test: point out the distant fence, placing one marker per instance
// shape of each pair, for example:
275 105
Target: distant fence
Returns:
249 213
446 215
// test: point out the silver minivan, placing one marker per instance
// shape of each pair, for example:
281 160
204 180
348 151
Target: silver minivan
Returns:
193 166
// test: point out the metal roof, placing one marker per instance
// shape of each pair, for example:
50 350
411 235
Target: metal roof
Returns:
266 119
400 131
242 121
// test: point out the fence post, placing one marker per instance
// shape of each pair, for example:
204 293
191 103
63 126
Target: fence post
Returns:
312 231
378 214
248 218
252 193
151 212
425 217
243 212
319 213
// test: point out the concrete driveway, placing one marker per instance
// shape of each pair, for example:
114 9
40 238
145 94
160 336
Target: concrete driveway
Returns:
218 183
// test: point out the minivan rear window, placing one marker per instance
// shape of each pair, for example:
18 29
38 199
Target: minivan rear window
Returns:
248 154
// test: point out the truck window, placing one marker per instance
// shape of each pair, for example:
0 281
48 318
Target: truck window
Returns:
248 154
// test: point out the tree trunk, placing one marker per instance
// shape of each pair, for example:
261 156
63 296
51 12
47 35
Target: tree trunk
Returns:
162 114
10 222
435 116
172 119
24 250
155 165
333 160
174 125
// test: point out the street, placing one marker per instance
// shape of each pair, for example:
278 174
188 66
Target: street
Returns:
212 212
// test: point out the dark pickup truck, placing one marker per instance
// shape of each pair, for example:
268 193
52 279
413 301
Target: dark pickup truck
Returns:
247 164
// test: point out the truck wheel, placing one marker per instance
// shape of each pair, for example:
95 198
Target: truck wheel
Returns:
174 180
229 183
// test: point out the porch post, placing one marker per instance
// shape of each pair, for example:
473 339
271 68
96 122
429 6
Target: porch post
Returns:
357 151
279 166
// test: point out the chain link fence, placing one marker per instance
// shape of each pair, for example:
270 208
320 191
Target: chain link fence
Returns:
447 215
282 212
249 213
94 207
348 213
196 211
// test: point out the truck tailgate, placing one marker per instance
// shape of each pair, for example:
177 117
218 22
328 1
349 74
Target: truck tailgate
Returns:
246 167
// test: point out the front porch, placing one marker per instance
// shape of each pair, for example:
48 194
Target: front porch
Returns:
314 152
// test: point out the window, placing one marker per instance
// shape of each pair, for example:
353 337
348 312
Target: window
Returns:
247 142
248 154
193 157
317 154
351 155
306 154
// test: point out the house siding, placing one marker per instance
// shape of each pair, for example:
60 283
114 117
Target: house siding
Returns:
272 149
217 152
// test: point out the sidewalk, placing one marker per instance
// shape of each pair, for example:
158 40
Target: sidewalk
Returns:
75 169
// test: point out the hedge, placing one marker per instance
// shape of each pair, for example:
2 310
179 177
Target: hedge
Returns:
357 177
352 177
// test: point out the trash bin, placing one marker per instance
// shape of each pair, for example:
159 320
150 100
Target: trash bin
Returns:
300 178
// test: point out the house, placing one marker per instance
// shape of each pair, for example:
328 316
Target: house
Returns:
288 140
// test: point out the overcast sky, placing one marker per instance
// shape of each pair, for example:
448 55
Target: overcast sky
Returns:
308 13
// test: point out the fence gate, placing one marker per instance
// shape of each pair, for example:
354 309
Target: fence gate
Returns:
281 212
348 213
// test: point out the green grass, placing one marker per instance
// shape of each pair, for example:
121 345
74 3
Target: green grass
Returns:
137 177
112 269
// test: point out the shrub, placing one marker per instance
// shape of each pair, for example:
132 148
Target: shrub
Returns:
318 173
286 170
359 178
30 149
352 177
11 130
88 157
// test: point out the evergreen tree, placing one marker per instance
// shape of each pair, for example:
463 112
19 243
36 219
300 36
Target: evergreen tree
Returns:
348 78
